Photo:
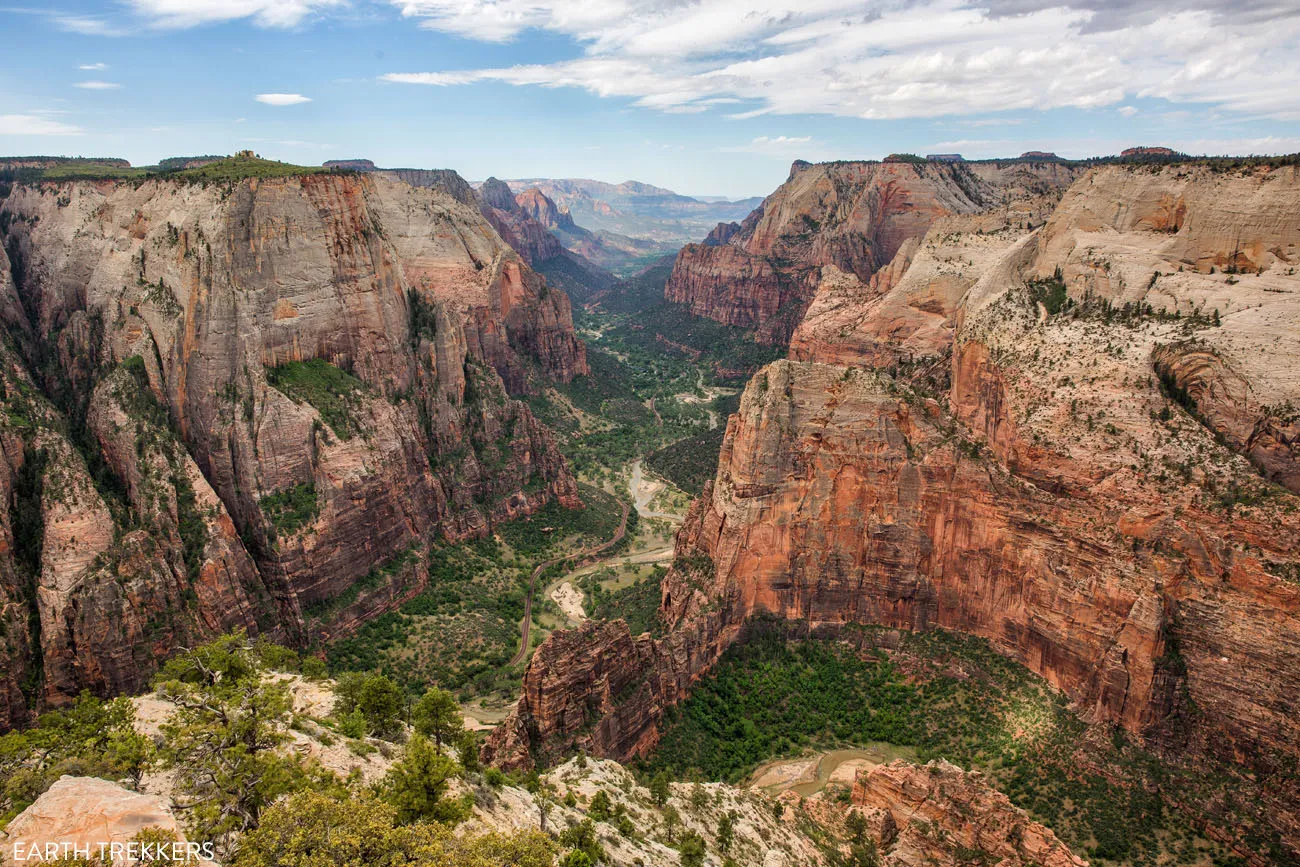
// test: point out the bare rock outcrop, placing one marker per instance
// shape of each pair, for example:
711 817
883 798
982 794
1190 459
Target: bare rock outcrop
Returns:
80 815
939 814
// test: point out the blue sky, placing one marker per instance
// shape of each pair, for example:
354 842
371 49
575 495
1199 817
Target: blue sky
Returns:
707 98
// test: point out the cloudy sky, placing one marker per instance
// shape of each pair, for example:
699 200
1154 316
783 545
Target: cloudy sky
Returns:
709 98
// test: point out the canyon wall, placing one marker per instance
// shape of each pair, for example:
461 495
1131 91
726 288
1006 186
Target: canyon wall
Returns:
850 216
227 404
1018 433
542 234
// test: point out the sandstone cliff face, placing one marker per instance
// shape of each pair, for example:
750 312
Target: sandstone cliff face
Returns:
535 228
600 689
852 216
905 805
519 228
180 490
1028 477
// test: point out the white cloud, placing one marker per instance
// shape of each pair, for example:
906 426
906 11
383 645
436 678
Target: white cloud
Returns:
282 98
1266 145
97 85
89 25
783 146
29 124
1127 110
93 67
887 59
178 14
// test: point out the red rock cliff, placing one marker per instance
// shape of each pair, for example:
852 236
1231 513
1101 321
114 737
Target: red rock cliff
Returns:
1052 468
853 216
180 491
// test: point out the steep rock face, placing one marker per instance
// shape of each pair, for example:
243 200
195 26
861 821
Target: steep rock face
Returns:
530 238
603 690
853 216
536 205
908 310
532 225
721 234
1224 401
256 396
906 804
15 585
1028 477
446 180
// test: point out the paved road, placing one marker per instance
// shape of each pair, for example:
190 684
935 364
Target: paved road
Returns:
581 558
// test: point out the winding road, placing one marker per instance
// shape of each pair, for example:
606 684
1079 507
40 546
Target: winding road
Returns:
580 558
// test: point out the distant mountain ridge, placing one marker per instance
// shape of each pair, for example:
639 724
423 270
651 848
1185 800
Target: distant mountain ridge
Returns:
638 210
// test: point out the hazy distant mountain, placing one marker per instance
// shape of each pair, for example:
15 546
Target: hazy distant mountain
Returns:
637 210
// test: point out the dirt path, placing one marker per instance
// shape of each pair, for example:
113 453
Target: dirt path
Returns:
581 558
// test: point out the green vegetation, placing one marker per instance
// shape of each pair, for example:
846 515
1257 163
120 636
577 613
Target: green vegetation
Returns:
335 393
324 609
915 159
319 829
221 170
637 603
555 528
703 341
241 167
238 784
959 700
640 291
90 170
691 462
417 785
459 632
436 716
1051 293
422 317
462 630
379 702
26 516
91 737
769 699
291 509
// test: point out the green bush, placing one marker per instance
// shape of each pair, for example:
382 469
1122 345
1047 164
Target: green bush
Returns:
333 392
290 509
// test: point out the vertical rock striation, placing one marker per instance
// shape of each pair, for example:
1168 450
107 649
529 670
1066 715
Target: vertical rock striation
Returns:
246 397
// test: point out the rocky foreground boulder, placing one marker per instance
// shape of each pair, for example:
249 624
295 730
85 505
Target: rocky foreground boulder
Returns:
80 815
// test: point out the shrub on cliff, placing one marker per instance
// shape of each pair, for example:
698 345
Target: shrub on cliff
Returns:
314 829
417 785
91 737
437 716
378 700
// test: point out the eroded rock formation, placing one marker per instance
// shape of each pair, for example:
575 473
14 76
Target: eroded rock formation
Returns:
1074 458
539 231
226 404
851 216
939 814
